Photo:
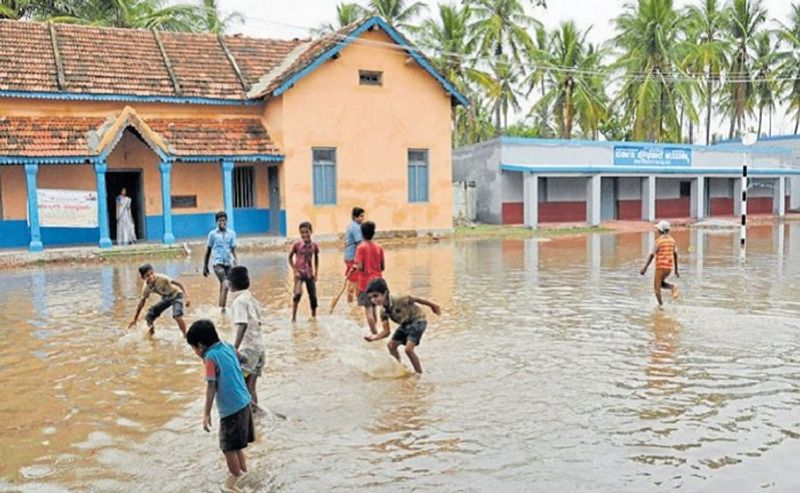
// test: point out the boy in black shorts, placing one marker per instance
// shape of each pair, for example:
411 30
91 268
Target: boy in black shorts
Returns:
402 310
173 294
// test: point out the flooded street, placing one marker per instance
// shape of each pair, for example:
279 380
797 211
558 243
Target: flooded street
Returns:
550 369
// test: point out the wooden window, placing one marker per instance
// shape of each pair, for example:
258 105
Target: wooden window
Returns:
417 175
370 78
244 187
324 175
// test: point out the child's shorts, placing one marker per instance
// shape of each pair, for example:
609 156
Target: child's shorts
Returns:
236 430
412 330
156 310
222 272
254 361
354 276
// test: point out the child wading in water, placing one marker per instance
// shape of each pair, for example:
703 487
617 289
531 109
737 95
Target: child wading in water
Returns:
225 382
304 270
369 263
173 294
246 317
402 310
665 251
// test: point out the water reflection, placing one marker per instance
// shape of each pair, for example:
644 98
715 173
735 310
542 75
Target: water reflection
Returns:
549 368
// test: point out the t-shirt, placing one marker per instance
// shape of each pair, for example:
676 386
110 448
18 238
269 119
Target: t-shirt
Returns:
352 237
222 367
221 244
401 310
371 254
162 286
303 257
246 310
663 251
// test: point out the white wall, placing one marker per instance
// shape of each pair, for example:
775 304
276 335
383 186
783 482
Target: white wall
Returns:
761 187
566 189
668 188
720 188
511 186
629 188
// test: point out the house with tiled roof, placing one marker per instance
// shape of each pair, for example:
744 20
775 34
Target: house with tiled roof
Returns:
274 132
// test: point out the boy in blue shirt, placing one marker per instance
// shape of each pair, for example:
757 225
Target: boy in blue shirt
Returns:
225 382
222 251
352 237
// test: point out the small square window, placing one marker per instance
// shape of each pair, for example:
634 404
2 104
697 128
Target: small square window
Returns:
370 78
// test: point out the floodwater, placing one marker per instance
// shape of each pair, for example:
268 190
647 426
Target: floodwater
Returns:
550 369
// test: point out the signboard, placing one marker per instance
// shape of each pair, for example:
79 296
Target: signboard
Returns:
67 208
630 155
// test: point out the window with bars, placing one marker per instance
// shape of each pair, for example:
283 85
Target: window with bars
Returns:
417 175
244 187
370 78
324 175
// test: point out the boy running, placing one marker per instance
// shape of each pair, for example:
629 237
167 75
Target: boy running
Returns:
173 294
225 382
352 238
402 310
665 251
369 264
246 316
222 251
304 270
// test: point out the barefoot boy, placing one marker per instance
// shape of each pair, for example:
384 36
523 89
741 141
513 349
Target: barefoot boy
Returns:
369 264
402 310
246 317
665 251
304 270
221 249
225 382
352 238
173 294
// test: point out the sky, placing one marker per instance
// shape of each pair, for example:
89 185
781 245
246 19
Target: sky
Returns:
294 18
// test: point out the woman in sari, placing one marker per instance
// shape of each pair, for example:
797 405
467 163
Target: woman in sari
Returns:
126 232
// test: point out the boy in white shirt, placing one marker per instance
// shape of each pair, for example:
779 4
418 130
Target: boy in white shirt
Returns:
246 318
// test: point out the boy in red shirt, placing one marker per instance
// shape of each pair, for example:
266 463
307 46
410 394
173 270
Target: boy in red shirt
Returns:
370 265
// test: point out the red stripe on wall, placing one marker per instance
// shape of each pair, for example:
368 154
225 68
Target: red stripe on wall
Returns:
629 210
671 208
513 213
721 206
759 205
562 212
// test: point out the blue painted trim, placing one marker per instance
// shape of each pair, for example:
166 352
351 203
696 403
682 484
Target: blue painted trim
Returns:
154 225
277 158
70 236
526 141
100 168
284 228
761 139
46 160
227 192
14 233
75 96
110 148
252 221
645 170
33 208
166 202
195 225
396 37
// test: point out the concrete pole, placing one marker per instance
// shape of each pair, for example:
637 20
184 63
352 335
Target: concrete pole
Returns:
166 200
593 200
779 197
649 198
530 198
100 168
227 191
698 197
33 208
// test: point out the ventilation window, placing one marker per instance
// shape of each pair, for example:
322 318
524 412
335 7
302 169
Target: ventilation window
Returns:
370 78
184 201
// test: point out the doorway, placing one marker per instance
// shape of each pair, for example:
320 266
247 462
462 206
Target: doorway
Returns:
608 199
274 201
131 181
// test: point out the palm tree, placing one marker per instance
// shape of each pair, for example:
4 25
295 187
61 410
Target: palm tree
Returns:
789 68
707 49
500 87
745 19
649 37
346 13
576 88
765 59
212 19
145 14
397 12
501 27
15 9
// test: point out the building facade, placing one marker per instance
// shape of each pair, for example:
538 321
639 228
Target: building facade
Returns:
274 132
533 181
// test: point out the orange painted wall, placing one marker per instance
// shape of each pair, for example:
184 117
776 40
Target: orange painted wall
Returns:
201 179
14 192
44 107
133 154
372 129
66 177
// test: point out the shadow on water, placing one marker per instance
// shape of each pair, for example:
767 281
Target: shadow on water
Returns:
549 370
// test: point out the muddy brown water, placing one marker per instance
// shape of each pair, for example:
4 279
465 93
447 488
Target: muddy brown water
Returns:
549 370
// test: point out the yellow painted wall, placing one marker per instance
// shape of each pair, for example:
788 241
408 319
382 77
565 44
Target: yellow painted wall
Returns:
14 192
372 129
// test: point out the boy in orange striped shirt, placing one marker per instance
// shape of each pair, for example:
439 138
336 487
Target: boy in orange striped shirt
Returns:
665 251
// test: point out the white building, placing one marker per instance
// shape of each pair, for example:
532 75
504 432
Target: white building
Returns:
532 181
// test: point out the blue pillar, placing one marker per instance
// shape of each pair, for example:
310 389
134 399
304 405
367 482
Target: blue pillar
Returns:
227 191
33 208
100 167
166 201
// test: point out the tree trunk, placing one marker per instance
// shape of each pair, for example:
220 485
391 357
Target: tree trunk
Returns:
796 123
708 108
770 121
680 124
568 114
760 115
691 131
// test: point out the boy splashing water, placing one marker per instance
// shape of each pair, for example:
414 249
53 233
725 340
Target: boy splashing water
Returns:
173 294
402 310
665 252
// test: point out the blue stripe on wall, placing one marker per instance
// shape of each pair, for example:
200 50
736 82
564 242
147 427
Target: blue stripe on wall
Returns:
284 229
251 221
14 234
70 236
185 226
155 228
